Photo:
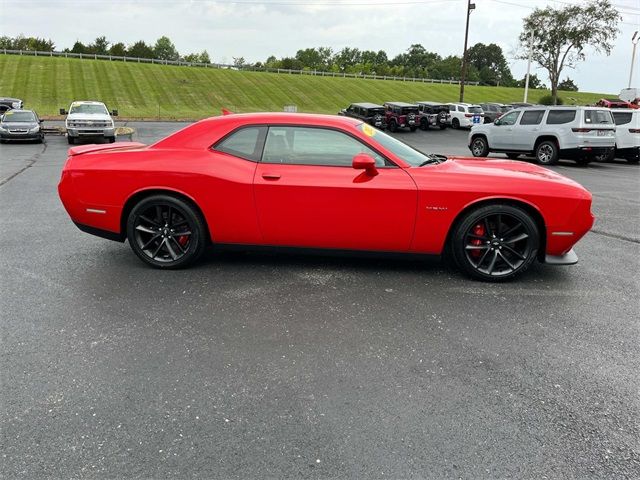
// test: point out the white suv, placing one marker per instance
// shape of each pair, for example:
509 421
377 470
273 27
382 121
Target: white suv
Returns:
627 134
578 133
89 119
465 115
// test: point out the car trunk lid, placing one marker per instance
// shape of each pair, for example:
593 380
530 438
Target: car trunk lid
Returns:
82 149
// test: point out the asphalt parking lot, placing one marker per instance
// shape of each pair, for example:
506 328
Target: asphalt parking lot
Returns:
288 366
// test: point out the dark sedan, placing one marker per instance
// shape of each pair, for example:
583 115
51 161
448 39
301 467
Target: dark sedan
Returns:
21 125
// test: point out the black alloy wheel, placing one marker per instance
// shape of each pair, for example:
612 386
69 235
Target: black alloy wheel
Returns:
166 232
495 243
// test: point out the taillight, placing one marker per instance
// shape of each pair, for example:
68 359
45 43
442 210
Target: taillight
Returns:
580 130
468 115
634 130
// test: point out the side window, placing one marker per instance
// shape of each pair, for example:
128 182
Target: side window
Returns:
597 116
244 143
460 109
622 118
313 146
558 117
532 117
509 118
452 108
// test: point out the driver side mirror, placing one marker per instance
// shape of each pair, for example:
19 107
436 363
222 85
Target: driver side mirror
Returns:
114 113
496 121
365 162
63 111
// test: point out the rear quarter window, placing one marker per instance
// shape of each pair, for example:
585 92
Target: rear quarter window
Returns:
598 116
558 117
244 143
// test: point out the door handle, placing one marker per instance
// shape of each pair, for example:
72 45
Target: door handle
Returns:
271 176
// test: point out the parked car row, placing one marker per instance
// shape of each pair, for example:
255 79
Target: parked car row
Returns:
85 120
548 133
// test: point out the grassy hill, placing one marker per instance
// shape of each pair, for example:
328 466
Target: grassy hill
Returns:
169 92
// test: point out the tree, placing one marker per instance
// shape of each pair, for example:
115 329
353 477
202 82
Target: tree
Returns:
534 82
78 47
204 57
140 50
164 49
560 36
118 50
491 64
99 47
239 62
568 84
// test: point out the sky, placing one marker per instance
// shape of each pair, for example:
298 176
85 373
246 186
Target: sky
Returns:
255 29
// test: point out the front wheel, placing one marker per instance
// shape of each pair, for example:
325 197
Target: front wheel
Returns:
547 153
393 126
479 147
111 139
424 124
495 243
71 140
166 232
455 123
443 126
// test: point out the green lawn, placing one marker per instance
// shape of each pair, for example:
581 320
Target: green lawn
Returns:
170 92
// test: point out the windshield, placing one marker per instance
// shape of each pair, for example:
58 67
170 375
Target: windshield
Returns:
88 108
475 110
406 110
409 154
19 117
377 111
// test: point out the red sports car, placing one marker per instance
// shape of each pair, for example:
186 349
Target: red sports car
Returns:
316 181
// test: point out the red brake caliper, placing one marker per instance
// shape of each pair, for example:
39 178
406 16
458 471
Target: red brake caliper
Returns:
480 231
183 239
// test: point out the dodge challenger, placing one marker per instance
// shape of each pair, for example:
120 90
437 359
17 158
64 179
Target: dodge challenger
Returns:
321 182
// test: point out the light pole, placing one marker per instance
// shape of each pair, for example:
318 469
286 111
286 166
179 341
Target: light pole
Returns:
634 40
463 74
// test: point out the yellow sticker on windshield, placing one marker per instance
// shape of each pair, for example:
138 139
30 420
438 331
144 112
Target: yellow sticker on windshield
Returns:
368 130
8 113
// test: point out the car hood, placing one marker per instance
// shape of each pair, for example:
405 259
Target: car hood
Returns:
89 116
498 176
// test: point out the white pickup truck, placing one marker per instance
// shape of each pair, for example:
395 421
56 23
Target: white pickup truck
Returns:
88 119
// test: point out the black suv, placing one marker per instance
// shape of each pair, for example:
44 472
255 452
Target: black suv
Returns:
7 103
401 115
433 114
367 112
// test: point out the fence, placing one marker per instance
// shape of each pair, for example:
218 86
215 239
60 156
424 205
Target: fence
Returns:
92 56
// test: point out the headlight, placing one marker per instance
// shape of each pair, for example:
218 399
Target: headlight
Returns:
35 129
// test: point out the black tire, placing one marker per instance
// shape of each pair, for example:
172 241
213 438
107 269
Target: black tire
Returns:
455 123
413 129
71 140
479 146
443 126
633 161
606 157
155 242
584 161
513 156
111 139
495 243
547 152
424 124
393 126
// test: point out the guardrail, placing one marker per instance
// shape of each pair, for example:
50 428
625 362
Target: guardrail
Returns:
319 73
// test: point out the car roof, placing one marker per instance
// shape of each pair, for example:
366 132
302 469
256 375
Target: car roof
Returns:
86 102
15 110
624 110
285 118
367 105
400 104
430 103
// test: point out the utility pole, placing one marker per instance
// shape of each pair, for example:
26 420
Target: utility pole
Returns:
463 74
526 82
634 40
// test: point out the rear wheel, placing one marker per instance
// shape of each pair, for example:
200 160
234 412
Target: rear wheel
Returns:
443 126
455 123
547 153
479 147
495 243
166 232
393 126
424 124
608 156
71 140
413 129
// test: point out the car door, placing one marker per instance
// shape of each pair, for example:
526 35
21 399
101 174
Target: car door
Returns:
526 130
309 195
502 132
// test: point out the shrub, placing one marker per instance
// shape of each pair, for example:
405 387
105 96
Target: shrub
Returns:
548 100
